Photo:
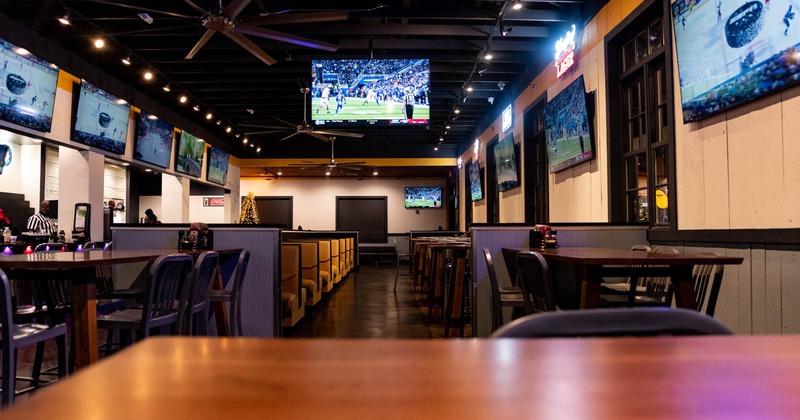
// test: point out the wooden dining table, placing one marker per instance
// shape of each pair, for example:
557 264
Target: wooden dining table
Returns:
592 265
79 268
699 377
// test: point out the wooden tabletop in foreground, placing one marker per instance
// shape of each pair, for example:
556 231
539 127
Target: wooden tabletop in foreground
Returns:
224 378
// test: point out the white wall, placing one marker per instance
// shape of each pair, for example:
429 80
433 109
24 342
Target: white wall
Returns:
315 200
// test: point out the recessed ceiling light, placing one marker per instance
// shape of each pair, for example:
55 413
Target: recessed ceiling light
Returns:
447 127
148 170
375 172
435 148
228 129
151 117
121 101
258 150
280 173
99 43
488 55
209 116
517 5
21 51
125 164
457 111
244 141
328 172
183 99
148 75
469 88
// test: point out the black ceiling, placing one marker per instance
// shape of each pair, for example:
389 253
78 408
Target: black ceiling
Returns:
231 82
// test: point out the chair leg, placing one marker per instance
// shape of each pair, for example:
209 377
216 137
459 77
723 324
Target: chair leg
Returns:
9 377
64 366
36 370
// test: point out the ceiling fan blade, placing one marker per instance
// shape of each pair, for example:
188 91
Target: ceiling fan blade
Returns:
352 168
319 136
195 7
206 36
271 127
234 8
285 122
284 37
287 18
256 133
353 163
338 133
251 47
290 136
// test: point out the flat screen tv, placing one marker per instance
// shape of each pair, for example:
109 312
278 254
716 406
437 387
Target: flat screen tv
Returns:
423 197
217 166
189 159
381 92
153 140
101 119
27 88
475 181
505 164
732 52
566 128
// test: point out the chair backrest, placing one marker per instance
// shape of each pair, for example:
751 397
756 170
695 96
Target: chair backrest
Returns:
93 245
614 322
707 282
510 258
50 247
6 314
236 293
660 288
534 278
205 269
497 310
167 275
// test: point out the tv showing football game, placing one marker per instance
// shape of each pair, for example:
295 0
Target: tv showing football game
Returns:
189 159
423 197
505 164
475 181
380 92
217 166
101 119
566 128
153 140
734 51
27 88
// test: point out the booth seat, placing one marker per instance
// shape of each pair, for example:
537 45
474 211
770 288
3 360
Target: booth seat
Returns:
344 267
324 264
336 272
293 295
351 247
309 260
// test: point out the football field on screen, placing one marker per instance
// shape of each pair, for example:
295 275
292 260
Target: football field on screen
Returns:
568 148
357 109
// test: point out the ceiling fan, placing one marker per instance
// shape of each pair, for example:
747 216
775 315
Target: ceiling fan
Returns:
354 166
226 21
302 128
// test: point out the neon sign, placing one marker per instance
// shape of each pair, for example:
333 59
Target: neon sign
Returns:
565 52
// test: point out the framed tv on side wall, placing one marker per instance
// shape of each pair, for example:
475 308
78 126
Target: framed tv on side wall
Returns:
217 166
423 197
153 140
475 181
101 119
505 163
733 51
379 92
189 159
567 130
27 88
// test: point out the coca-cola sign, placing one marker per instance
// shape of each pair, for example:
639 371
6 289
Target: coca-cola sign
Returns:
213 201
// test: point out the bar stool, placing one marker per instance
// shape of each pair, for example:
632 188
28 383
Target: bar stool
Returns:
233 296
458 292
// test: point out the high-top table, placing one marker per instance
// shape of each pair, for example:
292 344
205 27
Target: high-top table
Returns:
79 269
592 265
720 377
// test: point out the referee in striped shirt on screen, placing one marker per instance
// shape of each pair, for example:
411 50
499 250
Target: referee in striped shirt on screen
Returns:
39 222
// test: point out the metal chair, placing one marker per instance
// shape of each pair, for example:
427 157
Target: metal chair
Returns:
649 291
397 256
613 322
535 281
234 296
167 275
502 297
13 337
205 270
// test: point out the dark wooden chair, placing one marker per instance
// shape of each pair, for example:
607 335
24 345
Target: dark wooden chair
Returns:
502 297
613 322
707 283
167 275
16 336
234 295
534 279
197 299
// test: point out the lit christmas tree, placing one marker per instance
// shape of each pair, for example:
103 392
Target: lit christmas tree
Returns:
249 215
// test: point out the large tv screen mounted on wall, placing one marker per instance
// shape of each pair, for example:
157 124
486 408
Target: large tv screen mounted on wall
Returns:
153 140
101 119
217 166
733 51
475 181
380 92
505 164
567 129
189 159
27 88
423 197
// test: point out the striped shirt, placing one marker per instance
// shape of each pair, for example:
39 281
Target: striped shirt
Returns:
39 222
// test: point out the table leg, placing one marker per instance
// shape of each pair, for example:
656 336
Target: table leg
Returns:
589 279
84 318
683 284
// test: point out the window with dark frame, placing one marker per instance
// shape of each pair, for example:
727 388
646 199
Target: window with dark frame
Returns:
641 141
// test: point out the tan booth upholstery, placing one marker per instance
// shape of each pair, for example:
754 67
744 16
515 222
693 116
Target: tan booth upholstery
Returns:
293 295
325 264
336 272
312 282
351 245
343 266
